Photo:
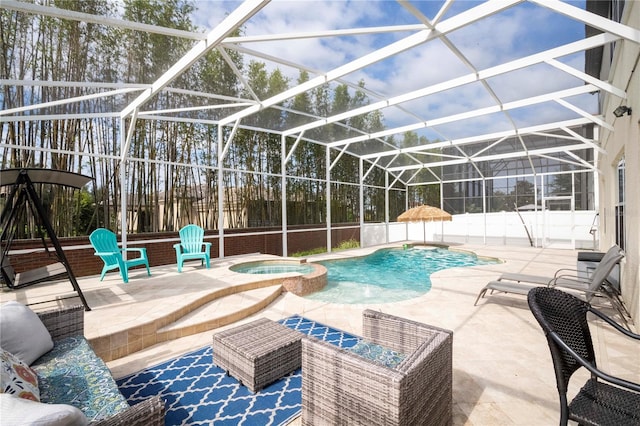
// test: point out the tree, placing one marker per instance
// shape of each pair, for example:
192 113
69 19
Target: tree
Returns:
164 192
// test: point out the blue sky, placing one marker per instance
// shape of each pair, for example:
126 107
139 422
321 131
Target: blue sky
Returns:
519 31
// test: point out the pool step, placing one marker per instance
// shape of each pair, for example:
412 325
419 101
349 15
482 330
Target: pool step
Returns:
221 306
219 312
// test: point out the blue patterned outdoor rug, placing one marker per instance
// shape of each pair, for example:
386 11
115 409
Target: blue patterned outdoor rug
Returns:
199 393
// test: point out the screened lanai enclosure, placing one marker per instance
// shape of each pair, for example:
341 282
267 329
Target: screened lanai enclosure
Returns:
314 114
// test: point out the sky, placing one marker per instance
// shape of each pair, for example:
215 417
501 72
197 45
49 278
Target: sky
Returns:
517 32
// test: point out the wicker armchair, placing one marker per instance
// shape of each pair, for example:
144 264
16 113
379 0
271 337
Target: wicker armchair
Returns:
341 387
68 322
604 399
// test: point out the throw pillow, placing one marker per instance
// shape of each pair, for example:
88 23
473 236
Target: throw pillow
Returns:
378 354
22 412
22 333
17 378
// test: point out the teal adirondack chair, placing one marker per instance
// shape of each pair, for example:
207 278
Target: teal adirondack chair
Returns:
192 246
106 246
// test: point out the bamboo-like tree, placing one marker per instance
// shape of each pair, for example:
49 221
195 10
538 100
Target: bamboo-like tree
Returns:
164 192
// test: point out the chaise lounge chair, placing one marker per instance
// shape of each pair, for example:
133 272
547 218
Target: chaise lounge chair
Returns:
568 277
595 285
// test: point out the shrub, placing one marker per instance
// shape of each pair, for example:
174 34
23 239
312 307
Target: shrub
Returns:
345 245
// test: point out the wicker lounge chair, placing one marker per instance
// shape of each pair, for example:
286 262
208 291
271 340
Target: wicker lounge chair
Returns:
596 285
69 322
604 399
342 387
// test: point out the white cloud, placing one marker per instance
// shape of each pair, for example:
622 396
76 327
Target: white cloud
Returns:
520 31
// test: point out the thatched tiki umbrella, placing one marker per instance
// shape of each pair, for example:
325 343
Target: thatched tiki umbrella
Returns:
424 214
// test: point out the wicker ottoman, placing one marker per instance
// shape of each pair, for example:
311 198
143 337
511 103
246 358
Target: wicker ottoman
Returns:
257 353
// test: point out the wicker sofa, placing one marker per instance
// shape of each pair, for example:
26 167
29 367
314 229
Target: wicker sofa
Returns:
342 387
69 323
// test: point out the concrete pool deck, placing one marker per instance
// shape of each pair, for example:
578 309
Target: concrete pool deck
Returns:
503 373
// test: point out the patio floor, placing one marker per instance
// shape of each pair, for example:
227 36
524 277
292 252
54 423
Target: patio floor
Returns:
502 368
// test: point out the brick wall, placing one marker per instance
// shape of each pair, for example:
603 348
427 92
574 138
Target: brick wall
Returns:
160 250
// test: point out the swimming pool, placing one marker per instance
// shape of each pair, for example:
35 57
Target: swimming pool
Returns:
389 275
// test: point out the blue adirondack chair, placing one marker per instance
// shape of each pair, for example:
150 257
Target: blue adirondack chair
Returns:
106 246
192 246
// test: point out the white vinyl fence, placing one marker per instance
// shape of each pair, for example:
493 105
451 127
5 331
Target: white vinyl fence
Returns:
559 229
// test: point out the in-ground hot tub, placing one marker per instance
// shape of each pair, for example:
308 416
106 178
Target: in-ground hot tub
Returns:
313 276
273 267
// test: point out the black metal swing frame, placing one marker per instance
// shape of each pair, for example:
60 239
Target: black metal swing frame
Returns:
22 181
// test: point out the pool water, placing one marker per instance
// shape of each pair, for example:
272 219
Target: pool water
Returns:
272 268
388 275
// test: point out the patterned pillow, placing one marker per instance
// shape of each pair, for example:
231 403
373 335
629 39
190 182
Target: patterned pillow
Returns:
17 378
71 373
378 354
